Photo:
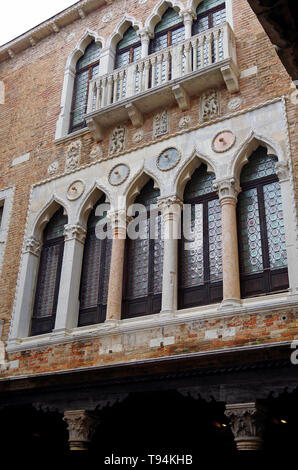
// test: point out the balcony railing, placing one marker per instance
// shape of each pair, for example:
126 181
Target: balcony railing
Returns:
200 62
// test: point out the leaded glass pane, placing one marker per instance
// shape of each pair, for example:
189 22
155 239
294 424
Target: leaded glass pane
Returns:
178 35
200 184
138 266
215 239
159 43
129 38
81 91
90 271
55 227
158 258
193 263
200 25
90 56
275 225
47 280
148 196
122 59
170 18
250 232
206 5
219 17
258 166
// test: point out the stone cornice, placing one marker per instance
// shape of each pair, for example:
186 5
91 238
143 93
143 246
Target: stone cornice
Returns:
50 26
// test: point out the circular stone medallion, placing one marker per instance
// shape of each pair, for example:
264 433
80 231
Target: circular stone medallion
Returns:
75 190
223 141
118 174
168 159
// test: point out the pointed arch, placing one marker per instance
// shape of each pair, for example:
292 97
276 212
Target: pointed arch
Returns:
93 195
81 46
139 181
120 29
45 215
251 143
159 10
188 168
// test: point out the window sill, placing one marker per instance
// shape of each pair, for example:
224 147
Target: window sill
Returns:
72 135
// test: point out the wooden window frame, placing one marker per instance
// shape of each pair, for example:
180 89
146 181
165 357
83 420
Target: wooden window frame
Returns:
269 280
131 50
140 306
167 32
209 14
96 314
45 324
210 291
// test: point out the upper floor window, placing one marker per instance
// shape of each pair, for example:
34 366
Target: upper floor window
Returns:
128 49
95 273
200 261
262 246
210 13
144 261
47 290
170 30
86 69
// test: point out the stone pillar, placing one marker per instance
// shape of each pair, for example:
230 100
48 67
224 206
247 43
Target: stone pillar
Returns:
188 18
62 126
119 224
171 212
247 424
81 426
107 61
227 191
20 326
145 41
68 299
282 171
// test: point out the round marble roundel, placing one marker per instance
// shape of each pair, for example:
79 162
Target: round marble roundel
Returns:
118 174
223 141
75 190
168 159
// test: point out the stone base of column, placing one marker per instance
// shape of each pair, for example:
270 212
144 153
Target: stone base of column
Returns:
78 445
111 322
230 303
250 443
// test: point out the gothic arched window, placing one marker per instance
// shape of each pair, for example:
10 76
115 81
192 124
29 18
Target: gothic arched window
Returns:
170 30
47 290
144 263
128 49
95 273
210 13
261 231
200 260
86 69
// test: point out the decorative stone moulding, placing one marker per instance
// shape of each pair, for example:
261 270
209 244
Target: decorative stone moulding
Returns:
73 155
234 103
209 105
161 124
142 2
118 174
168 159
53 168
138 136
107 17
96 153
223 141
75 190
184 122
117 142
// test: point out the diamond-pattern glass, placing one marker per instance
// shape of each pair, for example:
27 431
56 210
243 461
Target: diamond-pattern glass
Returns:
215 239
193 262
259 166
250 232
201 183
275 225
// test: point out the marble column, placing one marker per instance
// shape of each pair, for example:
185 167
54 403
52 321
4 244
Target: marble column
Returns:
145 41
188 18
228 191
247 424
118 226
170 208
68 298
81 426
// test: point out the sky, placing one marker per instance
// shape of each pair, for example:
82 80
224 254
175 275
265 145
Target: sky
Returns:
17 16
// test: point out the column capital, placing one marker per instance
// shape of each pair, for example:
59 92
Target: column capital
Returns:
33 246
165 203
247 424
282 171
74 232
188 15
81 427
144 34
227 188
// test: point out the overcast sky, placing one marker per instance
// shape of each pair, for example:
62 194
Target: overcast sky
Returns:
17 16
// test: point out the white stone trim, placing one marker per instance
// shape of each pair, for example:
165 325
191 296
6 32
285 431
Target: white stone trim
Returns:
6 200
20 159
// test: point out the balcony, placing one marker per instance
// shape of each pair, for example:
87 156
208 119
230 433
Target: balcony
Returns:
171 75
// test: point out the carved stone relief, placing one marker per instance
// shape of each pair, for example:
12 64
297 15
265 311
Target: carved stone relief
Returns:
184 122
53 168
234 103
223 141
73 155
161 124
138 136
96 153
107 17
117 142
209 105
75 190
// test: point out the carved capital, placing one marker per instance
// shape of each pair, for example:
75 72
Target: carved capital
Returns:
282 171
74 232
33 246
247 424
226 188
187 15
165 203
144 35
81 426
